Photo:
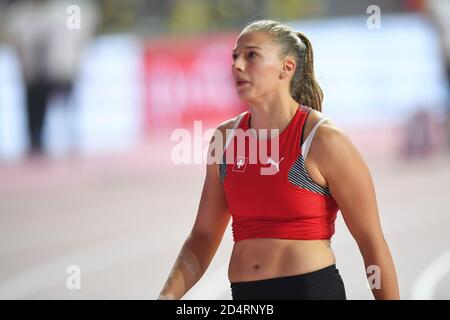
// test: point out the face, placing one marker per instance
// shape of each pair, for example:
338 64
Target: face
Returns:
256 66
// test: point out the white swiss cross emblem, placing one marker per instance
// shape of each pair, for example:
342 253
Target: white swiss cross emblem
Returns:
240 164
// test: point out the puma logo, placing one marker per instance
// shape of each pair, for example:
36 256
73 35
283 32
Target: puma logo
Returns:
274 163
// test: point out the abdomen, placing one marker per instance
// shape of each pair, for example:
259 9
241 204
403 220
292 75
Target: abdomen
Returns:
264 258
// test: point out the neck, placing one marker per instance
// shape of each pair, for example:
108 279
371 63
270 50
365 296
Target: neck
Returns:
274 113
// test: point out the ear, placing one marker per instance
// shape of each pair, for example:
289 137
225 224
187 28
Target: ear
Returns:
288 68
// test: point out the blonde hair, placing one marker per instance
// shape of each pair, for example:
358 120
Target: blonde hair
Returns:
304 87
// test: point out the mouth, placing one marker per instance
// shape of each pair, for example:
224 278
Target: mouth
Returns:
241 83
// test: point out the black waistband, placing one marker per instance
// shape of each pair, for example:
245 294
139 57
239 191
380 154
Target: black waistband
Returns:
310 276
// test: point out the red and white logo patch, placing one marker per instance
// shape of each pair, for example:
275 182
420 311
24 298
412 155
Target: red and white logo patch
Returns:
240 164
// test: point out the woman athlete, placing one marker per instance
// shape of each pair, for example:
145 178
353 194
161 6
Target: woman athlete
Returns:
283 222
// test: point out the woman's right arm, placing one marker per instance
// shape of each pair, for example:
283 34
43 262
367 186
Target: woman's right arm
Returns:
204 239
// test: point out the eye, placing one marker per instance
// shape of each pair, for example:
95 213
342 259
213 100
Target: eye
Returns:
235 55
251 54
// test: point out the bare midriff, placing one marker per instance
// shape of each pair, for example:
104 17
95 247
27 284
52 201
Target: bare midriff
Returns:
264 258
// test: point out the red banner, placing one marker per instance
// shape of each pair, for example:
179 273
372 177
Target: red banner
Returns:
190 79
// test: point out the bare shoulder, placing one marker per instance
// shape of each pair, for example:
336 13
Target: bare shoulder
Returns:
327 132
333 149
313 117
217 142
331 139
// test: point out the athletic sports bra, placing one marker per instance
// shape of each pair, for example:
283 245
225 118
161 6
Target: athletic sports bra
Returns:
274 197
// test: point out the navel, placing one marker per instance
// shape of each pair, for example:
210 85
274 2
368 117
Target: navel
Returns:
256 266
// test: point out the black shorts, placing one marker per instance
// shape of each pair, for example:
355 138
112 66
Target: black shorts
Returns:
322 284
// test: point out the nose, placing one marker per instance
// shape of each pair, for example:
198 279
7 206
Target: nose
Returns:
238 64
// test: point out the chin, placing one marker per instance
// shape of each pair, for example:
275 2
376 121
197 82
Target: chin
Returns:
244 97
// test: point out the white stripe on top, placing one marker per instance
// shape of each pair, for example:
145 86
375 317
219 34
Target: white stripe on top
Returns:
307 143
230 136
223 166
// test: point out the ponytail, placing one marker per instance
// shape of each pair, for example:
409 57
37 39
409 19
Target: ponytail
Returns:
305 89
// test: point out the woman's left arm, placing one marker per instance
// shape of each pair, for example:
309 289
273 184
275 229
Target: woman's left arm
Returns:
350 183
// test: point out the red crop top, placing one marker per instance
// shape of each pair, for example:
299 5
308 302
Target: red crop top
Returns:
287 204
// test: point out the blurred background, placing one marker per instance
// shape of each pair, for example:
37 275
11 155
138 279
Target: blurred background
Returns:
92 91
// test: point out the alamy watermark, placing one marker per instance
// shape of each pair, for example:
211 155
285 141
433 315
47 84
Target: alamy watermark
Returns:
74 17
374 20
193 148
73 281
373 277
